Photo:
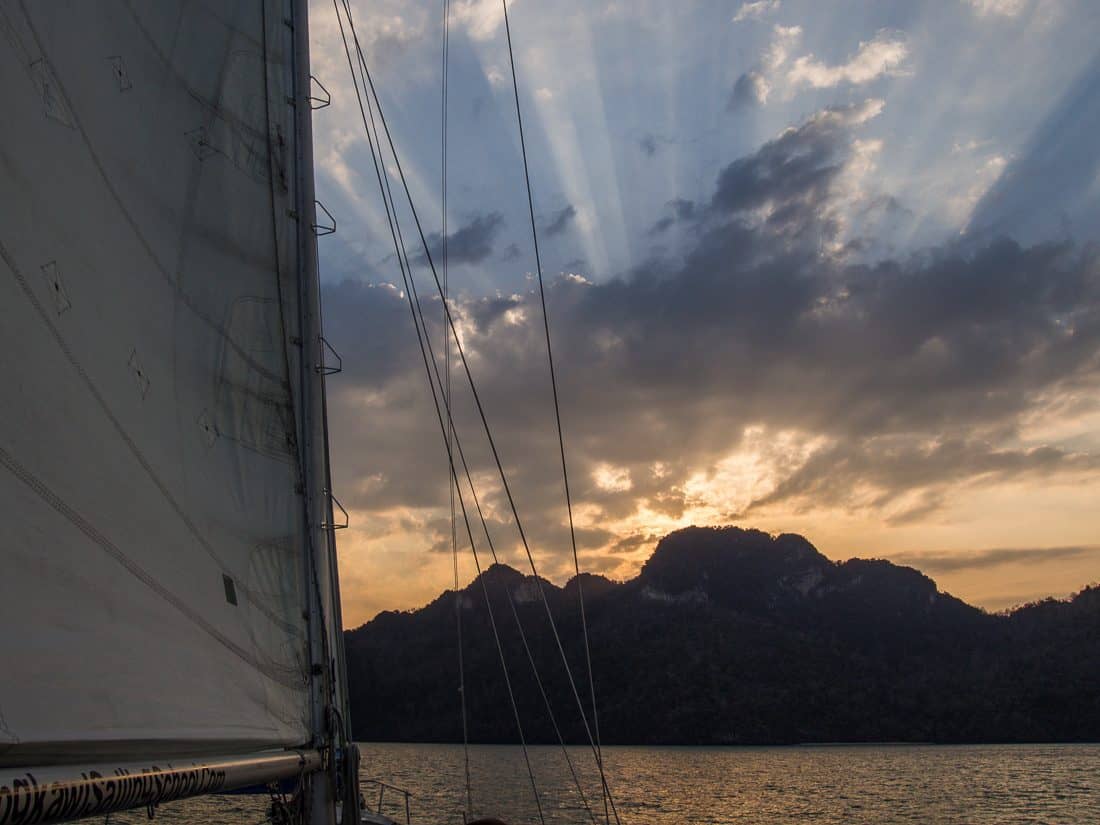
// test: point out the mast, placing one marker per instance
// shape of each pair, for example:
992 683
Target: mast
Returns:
329 710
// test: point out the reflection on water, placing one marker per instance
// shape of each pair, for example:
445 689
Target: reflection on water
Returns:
662 786
975 785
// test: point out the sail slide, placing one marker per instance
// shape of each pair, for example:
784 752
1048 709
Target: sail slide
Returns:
154 533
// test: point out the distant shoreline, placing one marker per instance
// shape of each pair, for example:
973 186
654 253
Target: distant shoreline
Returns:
731 636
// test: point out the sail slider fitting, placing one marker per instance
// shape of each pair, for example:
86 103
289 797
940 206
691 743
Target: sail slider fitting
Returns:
334 525
315 100
320 228
322 367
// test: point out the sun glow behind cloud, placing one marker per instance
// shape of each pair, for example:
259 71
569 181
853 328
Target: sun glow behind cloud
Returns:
388 550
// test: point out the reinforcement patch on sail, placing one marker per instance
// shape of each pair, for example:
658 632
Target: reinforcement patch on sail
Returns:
152 532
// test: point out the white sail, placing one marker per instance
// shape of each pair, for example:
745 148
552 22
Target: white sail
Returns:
152 515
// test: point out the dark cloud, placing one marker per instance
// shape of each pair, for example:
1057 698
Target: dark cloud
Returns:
661 225
906 378
748 91
560 221
791 177
684 210
650 144
681 209
793 174
950 562
885 205
836 476
634 542
469 244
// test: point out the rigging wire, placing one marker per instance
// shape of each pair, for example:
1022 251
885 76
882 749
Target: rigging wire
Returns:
421 337
419 313
447 397
369 82
557 415
496 560
411 290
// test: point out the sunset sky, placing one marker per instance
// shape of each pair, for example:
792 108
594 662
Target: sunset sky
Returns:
825 268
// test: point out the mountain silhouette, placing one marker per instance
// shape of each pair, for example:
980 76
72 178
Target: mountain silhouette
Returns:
733 636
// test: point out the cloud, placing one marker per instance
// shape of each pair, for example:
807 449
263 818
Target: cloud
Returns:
869 472
560 221
480 18
784 40
760 369
469 244
952 561
751 89
651 143
791 177
612 479
682 210
391 29
755 10
661 225
1002 8
881 56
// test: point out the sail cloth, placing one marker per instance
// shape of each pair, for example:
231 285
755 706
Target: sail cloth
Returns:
152 529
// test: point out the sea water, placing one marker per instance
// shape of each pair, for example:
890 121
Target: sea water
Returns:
874 784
